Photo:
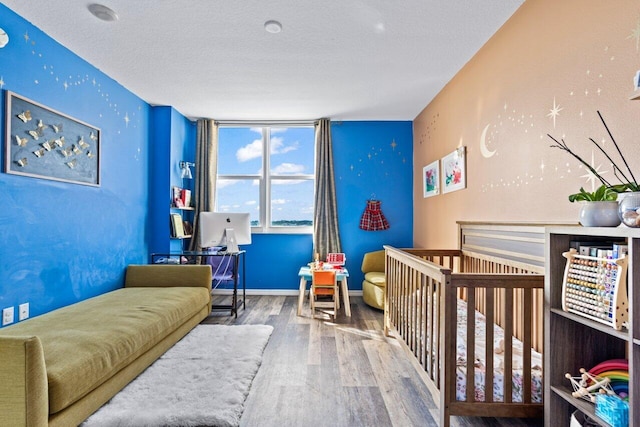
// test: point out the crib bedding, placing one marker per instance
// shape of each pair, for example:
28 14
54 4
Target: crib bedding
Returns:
498 363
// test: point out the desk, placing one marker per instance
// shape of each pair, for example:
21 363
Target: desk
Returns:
341 276
193 257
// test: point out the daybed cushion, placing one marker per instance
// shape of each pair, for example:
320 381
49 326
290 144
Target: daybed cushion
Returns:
104 334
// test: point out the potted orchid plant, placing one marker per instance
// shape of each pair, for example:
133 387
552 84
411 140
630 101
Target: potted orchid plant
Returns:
601 194
628 210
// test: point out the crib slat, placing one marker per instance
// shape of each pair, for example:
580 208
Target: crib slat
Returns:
508 345
403 303
436 327
429 317
526 345
411 310
471 345
418 313
489 347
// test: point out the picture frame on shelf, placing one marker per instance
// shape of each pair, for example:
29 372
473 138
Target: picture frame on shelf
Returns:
454 173
431 179
44 143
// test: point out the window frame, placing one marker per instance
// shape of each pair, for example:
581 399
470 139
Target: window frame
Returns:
265 178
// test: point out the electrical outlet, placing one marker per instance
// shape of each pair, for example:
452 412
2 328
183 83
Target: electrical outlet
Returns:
23 311
7 316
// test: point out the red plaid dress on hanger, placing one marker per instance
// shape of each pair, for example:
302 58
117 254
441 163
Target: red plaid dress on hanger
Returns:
372 219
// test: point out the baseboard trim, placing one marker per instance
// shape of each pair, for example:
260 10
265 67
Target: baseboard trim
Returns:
270 292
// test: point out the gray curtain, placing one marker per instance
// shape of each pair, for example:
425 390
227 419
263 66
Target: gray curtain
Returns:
326 235
206 168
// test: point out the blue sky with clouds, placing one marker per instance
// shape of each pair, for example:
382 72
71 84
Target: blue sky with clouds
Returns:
291 155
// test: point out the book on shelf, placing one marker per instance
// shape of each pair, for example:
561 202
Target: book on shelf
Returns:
188 227
177 227
619 250
185 196
175 195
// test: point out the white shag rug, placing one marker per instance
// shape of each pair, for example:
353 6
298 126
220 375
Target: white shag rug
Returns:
203 380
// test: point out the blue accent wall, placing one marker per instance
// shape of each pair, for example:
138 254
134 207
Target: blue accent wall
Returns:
371 159
173 138
61 243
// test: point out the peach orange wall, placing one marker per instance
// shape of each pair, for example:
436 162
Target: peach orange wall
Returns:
548 70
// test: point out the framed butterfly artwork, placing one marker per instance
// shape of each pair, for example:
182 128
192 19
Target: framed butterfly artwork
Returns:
43 143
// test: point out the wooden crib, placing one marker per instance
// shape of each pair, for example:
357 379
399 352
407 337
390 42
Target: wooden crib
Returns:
497 277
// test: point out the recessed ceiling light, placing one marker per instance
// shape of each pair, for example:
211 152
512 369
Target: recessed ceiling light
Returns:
102 12
273 27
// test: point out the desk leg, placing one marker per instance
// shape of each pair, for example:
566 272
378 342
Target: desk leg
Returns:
234 300
345 297
303 288
244 283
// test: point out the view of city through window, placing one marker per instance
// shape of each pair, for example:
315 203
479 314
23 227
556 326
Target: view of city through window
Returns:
281 198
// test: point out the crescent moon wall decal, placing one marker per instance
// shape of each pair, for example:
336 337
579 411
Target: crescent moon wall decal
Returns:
486 153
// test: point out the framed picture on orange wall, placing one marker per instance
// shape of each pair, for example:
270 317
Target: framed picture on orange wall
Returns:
454 173
431 179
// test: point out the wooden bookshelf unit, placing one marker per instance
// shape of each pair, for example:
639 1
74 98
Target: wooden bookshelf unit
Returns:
573 341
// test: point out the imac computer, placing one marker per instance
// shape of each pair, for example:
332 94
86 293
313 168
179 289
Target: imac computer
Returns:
224 229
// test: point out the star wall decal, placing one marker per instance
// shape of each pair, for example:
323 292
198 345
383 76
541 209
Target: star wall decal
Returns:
393 145
1 82
635 35
554 112
590 176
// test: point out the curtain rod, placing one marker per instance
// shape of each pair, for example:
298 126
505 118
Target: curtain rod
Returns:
266 122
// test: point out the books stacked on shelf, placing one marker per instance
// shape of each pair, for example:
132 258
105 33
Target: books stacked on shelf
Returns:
611 250
181 197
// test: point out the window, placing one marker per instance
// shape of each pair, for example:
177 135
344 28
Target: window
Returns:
268 171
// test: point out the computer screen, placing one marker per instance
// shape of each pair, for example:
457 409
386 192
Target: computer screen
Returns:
224 229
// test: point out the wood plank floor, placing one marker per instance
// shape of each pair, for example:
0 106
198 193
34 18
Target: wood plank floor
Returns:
317 372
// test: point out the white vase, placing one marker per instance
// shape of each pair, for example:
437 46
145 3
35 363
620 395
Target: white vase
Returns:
599 214
629 208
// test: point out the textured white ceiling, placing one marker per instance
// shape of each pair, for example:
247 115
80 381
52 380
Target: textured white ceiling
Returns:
342 59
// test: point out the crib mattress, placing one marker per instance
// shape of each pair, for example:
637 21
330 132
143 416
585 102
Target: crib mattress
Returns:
498 363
